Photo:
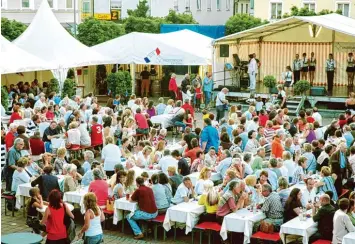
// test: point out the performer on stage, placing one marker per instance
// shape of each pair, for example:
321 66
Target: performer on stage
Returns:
304 70
288 78
350 70
252 70
312 67
297 65
330 69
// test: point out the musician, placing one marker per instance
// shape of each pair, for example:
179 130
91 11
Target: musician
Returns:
330 68
312 67
304 70
350 69
297 66
252 70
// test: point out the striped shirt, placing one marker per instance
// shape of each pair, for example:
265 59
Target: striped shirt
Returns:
3 155
272 206
297 175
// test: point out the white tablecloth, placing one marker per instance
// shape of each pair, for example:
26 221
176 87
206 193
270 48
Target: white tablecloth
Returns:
349 238
123 204
176 146
187 213
42 210
297 227
194 177
300 186
152 171
77 197
23 190
242 221
164 120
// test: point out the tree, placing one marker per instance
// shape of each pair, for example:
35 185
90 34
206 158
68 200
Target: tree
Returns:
4 98
140 24
92 31
53 86
11 29
140 11
101 75
176 18
306 12
241 22
69 88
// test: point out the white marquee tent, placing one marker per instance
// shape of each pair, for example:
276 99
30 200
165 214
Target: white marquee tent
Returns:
177 48
47 39
14 59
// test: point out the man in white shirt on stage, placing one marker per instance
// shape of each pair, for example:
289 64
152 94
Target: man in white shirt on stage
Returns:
252 70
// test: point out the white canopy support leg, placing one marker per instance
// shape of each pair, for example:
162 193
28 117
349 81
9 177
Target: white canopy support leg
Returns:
133 75
60 75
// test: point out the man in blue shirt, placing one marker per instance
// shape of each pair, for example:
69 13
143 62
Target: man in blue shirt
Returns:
244 135
209 136
207 88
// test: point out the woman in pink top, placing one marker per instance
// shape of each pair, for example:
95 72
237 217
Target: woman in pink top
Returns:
99 187
53 219
142 123
173 86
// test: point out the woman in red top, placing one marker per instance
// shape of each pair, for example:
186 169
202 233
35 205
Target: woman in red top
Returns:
173 86
36 144
15 115
99 187
263 118
50 113
54 219
342 120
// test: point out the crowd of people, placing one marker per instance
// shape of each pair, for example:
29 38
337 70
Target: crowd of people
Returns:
263 157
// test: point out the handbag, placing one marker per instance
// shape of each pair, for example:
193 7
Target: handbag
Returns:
109 204
266 227
67 219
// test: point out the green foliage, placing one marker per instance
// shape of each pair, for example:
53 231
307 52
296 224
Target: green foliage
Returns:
241 22
4 98
140 24
92 31
69 88
11 29
119 83
177 18
269 81
306 12
71 73
140 11
302 86
53 86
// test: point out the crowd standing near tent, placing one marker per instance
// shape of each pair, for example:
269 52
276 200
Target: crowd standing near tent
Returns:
263 160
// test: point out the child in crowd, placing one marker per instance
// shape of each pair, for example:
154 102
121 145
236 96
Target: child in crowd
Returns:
258 105
198 96
117 101
198 163
146 178
268 104
32 204
205 114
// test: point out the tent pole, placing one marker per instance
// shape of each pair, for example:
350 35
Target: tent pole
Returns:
260 49
133 75
189 69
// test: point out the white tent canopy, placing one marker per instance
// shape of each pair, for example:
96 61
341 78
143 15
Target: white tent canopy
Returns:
14 59
177 48
324 28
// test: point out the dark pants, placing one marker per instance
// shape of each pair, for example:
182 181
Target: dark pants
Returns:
9 173
206 217
109 173
172 94
330 79
220 112
316 236
297 75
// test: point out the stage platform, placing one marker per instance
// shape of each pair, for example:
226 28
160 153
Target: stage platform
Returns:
336 101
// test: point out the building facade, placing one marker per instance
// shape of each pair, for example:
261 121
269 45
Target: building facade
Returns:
274 9
24 10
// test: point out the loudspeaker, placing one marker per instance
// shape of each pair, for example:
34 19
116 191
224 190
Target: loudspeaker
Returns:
224 51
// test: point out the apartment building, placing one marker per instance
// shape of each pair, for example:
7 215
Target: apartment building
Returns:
25 10
275 9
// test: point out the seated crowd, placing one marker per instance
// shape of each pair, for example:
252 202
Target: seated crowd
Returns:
262 158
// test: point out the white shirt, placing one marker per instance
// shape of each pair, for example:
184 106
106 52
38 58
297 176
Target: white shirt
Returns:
342 226
252 66
319 133
167 161
284 171
290 166
220 97
317 117
251 125
85 138
308 196
181 192
111 154
248 169
39 104
130 103
199 186
168 109
74 136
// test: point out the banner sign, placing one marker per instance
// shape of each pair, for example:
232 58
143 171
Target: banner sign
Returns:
344 47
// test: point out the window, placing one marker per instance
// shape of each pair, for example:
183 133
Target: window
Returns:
241 8
246 8
176 5
344 8
228 5
69 3
25 4
209 5
276 11
198 2
187 5
116 4
86 7
310 6
218 5
3 4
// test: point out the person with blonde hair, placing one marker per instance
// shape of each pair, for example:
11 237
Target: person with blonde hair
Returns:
143 159
70 180
73 135
92 220
20 175
327 182
110 155
60 161
129 184
311 159
205 176
250 183
209 199
283 190
170 106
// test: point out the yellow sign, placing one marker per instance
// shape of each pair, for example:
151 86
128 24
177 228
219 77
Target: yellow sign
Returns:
96 16
115 14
